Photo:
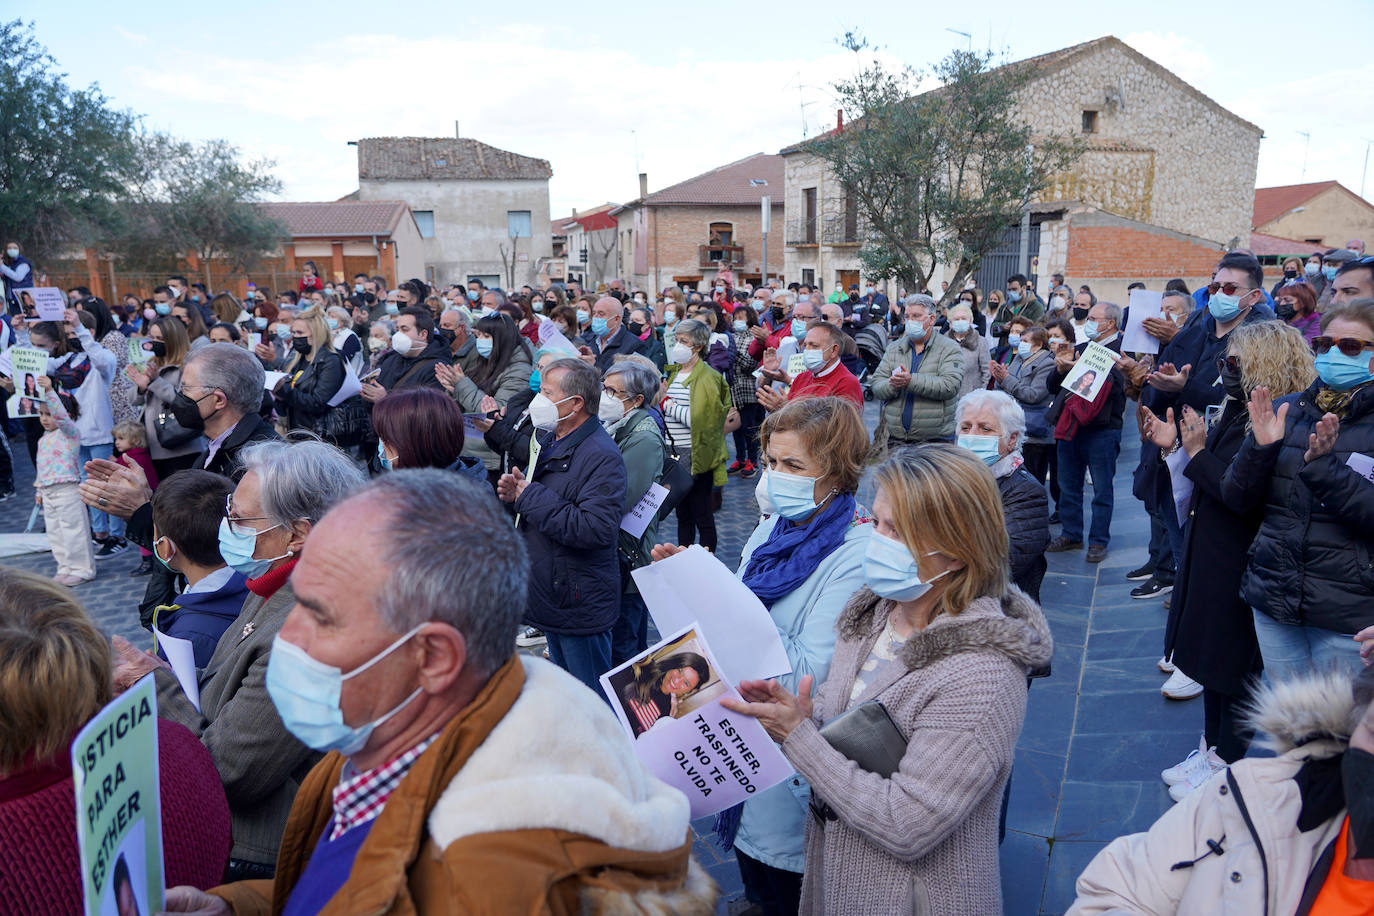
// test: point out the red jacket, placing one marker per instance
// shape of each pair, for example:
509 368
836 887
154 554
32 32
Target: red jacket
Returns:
839 383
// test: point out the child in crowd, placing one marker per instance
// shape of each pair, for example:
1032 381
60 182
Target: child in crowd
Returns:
130 438
59 472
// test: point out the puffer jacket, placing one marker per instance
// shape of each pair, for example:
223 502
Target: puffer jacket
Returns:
1275 827
1026 508
934 387
1310 564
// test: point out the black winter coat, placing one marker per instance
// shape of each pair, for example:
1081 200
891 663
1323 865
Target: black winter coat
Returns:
397 371
304 399
570 516
1027 510
1310 563
1211 631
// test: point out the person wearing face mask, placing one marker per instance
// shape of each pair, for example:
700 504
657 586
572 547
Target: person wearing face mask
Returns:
607 335
1021 301
804 560
1211 630
944 642
314 374
918 379
500 372
410 363
186 513
1297 305
787 336
569 509
1332 264
824 376
694 411
641 326
1285 834
1312 271
17 273
743 388
508 434
423 428
992 426
973 346
1026 379
285 491
1305 578
1292 273
1083 303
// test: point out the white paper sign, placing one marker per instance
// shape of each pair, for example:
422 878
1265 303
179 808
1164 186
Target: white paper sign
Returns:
1090 372
1362 465
181 655
270 379
644 511
1144 304
694 586
796 365
48 303
351 386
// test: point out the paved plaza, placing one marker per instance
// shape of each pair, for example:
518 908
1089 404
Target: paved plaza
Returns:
1097 732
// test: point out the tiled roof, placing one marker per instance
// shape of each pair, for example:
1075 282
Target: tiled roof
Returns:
335 219
736 183
1271 203
444 159
1264 245
592 220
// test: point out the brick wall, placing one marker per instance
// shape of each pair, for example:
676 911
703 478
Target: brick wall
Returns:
1117 251
676 234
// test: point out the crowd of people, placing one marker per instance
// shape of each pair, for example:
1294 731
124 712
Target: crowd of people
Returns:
357 502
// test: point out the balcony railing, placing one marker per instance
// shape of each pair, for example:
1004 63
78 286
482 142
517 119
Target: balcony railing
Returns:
800 230
722 255
843 230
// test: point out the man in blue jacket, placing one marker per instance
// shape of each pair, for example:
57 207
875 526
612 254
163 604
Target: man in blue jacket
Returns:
569 512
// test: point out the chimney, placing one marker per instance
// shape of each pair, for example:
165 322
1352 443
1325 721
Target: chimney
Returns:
839 119
574 212
643 185
456 132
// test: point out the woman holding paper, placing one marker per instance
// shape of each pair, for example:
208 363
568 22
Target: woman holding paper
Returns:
314 373
157 382
500 372
944 643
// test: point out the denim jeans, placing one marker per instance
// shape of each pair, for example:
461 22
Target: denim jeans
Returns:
1290 650
584 657
101 522
630 635
1095 450
1161 546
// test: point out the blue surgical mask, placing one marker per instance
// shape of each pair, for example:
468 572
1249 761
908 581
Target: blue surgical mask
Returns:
473 295
985 447
1341 372
382 458
237 550
283 331
914 329
333 323
163 308
1013 340
392 308
534 380
260 321
581 317
1023 348
890 569
1090 329
799 327
813 359
358 288
1329 272
306 693
1223 307
959 326
741 325
1312 269
599 326
483 345
537 305
1013 296
791 494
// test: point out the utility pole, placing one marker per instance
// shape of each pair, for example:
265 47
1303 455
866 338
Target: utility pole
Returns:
765 223
1307 136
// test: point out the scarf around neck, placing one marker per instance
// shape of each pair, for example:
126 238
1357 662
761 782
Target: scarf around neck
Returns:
793 552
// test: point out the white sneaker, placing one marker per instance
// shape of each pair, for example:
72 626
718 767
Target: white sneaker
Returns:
1179 791
1202 761
1180 686
1166 664
530 637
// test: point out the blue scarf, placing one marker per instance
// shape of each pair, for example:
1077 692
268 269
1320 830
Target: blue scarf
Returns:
793 552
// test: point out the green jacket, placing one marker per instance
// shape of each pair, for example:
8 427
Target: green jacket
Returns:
1030 307
935 386
709 403
642 446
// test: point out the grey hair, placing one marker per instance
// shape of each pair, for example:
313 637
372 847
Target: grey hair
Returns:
300 480
386 324
500 294
580 380
234 371
920 299
697 331
1112 311
1175 294
340 313
453 557
784 298
638 380
464 317
1010 416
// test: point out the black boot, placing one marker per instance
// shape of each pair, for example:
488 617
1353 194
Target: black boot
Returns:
143 568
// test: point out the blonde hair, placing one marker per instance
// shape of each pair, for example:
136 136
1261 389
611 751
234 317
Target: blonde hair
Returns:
831 432
56 671
944 500
131 430
321 338
1274 355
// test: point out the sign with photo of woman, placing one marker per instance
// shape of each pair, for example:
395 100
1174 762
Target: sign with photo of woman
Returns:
1090 372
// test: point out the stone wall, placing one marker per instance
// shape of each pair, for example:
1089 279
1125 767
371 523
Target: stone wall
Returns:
1334 216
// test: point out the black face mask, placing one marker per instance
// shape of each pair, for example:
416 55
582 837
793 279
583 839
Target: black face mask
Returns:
445 335
301 345
1290 273
1230 381
1284 310
1080 314
1357 776
155 347
74 345
617 295
634 328
187 411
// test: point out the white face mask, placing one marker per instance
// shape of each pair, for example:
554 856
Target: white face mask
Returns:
401 342
612 410
761 494
544 412
680 353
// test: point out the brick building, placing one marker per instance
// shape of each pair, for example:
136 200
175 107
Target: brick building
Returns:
685 234
1167 173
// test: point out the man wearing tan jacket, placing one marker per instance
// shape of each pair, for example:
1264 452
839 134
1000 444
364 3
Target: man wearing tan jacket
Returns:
460 778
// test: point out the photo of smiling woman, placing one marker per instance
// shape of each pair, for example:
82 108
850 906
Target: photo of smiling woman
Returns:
666 684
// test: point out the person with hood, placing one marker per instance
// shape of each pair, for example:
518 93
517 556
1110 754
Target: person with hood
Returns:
421 428
501 371
974 346
416 351
944 642
187 509
1292 834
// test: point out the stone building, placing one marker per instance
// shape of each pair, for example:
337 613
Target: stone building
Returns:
591 240
1321 214
1164 185
685 234
482 212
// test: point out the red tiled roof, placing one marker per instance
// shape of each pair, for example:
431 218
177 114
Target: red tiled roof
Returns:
729 184
335 219
1271 203
444 159
592 220
1263 245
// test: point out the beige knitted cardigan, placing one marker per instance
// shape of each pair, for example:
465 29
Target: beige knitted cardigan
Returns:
923 841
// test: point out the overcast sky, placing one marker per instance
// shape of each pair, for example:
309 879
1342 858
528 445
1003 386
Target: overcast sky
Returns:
603 90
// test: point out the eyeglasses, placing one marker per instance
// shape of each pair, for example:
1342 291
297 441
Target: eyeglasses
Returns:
234 523
180 388
1230 362
1350 346
1229 289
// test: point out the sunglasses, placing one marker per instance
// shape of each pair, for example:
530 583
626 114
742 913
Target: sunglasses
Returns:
1229 289
1350 346
1228 362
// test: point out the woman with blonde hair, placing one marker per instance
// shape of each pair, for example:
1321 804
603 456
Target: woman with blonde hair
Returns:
314 373
943 641
1211 630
